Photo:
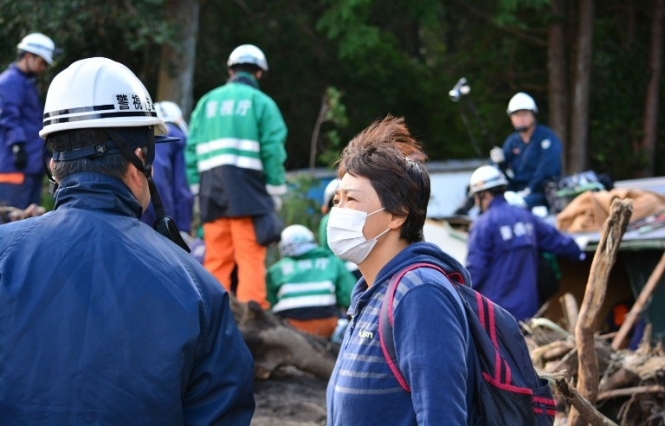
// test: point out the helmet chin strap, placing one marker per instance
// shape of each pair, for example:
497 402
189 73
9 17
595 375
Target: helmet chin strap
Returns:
164 224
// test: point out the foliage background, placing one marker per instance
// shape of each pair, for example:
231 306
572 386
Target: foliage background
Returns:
399 57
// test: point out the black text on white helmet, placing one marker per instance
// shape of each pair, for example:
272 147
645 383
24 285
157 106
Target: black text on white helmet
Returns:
98 93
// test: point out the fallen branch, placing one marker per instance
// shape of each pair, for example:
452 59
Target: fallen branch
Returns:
594 296
631 391
585 409
570 311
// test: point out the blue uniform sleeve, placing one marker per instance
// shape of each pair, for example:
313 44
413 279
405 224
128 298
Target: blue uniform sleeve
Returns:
549 239
431 345
10 114
478 255
184 200
549 162
219 389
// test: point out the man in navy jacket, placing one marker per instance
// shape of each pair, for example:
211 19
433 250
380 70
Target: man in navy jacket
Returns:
21 163
505 243
531 156
102 319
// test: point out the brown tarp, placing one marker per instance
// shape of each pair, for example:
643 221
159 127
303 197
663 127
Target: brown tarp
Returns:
589 210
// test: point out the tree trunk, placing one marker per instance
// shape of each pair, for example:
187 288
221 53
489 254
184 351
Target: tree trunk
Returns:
558 76
647 146
176 70
582 76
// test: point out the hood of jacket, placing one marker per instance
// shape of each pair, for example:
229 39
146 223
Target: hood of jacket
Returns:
420 252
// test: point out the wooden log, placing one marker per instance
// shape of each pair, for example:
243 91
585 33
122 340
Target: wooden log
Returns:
643 298
570 311
637 390
274 343
587 411
622 378
594 296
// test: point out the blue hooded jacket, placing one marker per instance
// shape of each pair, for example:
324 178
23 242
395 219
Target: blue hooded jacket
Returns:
535 162
503 249
20 120
104 321
432 344
170 177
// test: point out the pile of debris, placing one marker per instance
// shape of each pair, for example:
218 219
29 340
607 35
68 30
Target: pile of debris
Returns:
611 384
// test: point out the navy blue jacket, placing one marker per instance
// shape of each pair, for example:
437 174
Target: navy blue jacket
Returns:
431 337
104 321
170 177
535 162
503 250
20 120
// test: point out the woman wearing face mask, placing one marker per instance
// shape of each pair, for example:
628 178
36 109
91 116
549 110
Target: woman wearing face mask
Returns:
377 223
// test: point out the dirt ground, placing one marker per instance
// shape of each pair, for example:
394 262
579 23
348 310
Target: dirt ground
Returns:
290 398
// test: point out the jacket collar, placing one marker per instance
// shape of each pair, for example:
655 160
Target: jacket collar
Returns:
245 78
95 191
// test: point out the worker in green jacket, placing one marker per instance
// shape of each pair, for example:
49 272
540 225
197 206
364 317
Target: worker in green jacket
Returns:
309 285
235 162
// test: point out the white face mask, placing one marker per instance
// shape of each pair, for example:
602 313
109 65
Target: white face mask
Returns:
345 234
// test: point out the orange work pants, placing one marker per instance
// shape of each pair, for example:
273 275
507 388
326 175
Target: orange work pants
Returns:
231 241
322 327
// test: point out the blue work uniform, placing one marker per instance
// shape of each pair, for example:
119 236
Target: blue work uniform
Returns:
504 245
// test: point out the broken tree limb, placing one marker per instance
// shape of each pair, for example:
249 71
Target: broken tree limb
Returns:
570 311
645 294
594 296
274 343
631 391
586 410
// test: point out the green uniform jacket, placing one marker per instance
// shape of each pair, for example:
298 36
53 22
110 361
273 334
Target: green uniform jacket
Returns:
310 286
235 151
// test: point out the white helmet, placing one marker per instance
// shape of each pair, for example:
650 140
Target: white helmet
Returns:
296 240
38 44
486 177
329 192
170 112
522 101
98 92
248 54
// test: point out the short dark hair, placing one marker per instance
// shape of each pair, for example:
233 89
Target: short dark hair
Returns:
250 68
110 163
392 160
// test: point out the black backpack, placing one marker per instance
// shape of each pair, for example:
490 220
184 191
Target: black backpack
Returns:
507 390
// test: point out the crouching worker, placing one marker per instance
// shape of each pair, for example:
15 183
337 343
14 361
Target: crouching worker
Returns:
108 321
309 284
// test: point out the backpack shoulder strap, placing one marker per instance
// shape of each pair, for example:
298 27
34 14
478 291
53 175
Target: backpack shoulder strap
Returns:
386 321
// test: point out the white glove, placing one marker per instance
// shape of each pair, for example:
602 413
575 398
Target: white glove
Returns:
194 189
276 192
277 201
582 241
496 154
524 193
